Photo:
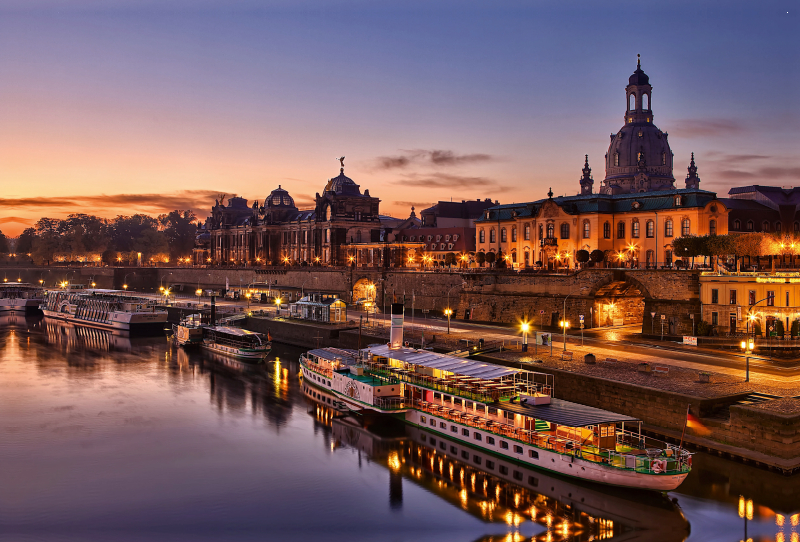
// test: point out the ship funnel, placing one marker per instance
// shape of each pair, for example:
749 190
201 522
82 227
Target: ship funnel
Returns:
396 334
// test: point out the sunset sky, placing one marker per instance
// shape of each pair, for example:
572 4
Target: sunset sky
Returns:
146 106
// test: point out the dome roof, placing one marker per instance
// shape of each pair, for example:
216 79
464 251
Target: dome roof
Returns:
342 185
279 198
639 78
639 145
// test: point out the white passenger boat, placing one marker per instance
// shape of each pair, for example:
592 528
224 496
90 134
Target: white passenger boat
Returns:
108 309
20 297
189 332
501 410
236 342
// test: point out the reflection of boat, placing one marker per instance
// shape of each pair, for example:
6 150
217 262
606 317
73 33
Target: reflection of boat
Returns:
236 342
497 490
20 297
500 410
82 337
106 309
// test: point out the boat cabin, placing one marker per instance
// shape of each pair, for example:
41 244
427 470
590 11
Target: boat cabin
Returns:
320 307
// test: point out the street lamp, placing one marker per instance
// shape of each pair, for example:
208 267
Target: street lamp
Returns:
247 295
277 306
525 328
564 325
747 348
448 313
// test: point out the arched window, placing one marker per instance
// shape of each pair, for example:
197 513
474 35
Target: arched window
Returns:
586 229
650 229
514 256
551 230
527 232
564 230
503 237
635 229
645 101
481 236
620 230
358 236
712 227
750 225
616 158
668 227
492 236
685 227
514 234
650 255
737 225
632 102
765 226
606 230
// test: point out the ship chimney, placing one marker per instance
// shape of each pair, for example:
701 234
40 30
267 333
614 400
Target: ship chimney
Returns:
396 334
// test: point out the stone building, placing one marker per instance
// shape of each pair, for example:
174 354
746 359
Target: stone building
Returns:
277 232
634 217
768 209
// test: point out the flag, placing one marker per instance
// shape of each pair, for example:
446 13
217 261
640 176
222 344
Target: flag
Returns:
694 423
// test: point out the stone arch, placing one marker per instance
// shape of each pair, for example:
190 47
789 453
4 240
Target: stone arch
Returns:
364 291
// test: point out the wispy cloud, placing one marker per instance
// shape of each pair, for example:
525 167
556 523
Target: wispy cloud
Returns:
688 128
762 167
435 157
17 220
445 180
765 173
199 201
417 205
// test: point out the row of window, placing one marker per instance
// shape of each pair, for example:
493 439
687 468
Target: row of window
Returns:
476 435
751 297
650 230
765 226
430 238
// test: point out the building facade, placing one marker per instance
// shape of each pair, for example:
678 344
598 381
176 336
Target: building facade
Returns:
768 209
634 217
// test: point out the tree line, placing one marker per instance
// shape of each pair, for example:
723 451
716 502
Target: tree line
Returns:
113 241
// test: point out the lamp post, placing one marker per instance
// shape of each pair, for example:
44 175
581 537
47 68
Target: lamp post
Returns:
447 313
525 328
277 306
747 347
565 321
564 325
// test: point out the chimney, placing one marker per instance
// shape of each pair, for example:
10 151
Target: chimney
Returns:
396 333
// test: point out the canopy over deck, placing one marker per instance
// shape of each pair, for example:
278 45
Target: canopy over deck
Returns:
567 413
444 362
347 357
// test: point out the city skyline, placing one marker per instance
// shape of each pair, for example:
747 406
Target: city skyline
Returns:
147 108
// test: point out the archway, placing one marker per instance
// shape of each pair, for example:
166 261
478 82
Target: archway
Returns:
364 293
618 303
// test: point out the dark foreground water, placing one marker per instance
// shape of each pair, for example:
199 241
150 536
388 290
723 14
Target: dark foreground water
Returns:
108 438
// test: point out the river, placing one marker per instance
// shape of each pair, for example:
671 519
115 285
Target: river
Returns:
104 437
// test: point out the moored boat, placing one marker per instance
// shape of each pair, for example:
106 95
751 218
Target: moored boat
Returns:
501 410
108 309
236 342
20 297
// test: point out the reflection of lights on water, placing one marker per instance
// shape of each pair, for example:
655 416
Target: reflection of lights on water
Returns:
795 537
516 500
394 461
451 471
472 480
795 520
513 518
497 492
779 519
463 495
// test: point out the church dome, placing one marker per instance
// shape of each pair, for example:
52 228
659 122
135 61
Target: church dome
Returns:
279 198
639 78
343 186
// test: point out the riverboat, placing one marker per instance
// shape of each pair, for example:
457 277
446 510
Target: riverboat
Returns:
107 309
501 410
20 297
189 332
236 342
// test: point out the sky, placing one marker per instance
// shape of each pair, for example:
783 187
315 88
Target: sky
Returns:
145 106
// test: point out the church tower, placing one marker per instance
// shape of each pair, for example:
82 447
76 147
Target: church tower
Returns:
692 180
586 181
639 158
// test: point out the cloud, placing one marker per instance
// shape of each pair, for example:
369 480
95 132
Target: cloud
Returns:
415 204
16 219
200 201
705 127
435 157
444 180
763 173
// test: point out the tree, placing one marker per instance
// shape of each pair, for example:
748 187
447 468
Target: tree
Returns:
25 241
582 256
3 243
152 244
450 259
480 257
127 230
716 246
687 246
500 261
490 257
597 255
180 230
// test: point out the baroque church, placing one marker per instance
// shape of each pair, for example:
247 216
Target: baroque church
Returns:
632 218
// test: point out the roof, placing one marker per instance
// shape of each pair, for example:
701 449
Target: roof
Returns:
605 203
567 413
464 209
444 362
237 331
332 354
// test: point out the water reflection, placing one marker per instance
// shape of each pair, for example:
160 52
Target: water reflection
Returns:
108 432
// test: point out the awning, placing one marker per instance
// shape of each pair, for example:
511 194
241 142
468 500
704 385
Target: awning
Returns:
443 362
567 413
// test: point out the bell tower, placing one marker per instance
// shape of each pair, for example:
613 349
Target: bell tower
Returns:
692 180
586 181
638 94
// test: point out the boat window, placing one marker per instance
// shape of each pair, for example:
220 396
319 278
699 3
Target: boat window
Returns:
433 423
503 469
454 428
465 454
517 475
465 432
490 464
437 396
504 445
443 445
423 419
476 436
476 459
423 437
446 398
453 450
480 408
490 440
456 401
533 481
533 454
443 425
433 441
492 410
469 404
517 449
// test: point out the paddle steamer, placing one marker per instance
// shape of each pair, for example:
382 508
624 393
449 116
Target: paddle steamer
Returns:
107 309
501 410
20 297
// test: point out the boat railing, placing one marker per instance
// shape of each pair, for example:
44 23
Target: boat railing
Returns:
666 460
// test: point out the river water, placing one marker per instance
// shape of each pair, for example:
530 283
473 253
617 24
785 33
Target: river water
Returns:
104 437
